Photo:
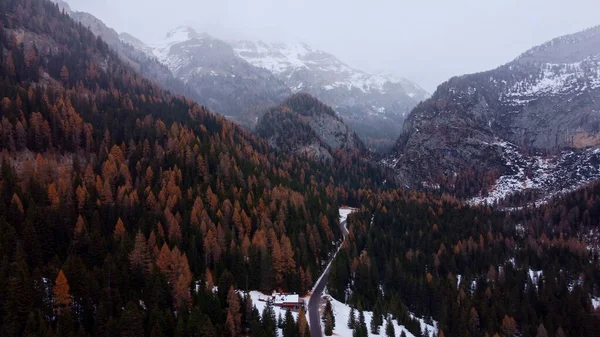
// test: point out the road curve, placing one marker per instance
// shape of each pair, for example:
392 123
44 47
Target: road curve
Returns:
315 299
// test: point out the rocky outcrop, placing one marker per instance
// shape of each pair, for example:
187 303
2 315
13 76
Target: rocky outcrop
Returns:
304 126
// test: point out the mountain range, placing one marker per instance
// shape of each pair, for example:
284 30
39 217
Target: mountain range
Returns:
241 78
373 105
543 107
529 126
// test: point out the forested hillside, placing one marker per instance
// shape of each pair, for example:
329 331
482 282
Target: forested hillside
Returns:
304 126
123 205
476 271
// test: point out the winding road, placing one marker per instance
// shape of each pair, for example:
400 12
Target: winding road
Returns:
315 299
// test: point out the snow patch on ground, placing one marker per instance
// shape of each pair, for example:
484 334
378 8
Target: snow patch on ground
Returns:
344 212
287 59
342 313
555 79
535 276
596 302
554 175
259 300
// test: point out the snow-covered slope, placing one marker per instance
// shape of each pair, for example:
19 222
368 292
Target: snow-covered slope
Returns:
287 59
545 175
374 105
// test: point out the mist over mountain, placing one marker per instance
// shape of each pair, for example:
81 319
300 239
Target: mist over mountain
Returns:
373 105
244 77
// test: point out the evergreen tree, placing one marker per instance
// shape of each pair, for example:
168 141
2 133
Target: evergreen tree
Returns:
279 321
269 320
328 321
390 331
352 319
374 325
303 329
361 327
290 328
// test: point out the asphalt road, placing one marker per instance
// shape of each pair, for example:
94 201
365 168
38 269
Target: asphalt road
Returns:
315 299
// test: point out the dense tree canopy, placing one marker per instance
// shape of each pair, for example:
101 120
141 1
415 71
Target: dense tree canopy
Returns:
126 210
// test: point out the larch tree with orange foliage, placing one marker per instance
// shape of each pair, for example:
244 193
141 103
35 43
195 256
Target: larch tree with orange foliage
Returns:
62 295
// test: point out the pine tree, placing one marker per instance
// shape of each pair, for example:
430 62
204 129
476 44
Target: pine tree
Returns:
360 329
140 256
279 321
119 231
390 331
352 319
269 320
205 328
303 330
328 321
328 318
234 317
541 331
374 325
17 300
509 326
53 196
290 328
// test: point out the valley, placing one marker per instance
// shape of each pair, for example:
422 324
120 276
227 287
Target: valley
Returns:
171 188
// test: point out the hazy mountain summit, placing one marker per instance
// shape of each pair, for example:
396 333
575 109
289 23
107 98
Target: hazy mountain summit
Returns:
242 78
544 105
226 83
373 105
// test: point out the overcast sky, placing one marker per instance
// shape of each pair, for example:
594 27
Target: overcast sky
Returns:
427 41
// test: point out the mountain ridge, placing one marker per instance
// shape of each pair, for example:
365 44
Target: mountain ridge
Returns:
366 102
529 102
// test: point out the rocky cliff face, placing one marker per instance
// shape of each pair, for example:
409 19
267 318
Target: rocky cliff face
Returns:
305 126
375 106
547 99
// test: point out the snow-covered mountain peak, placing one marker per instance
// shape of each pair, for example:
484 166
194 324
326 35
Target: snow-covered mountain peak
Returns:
276 57
329 73
184 36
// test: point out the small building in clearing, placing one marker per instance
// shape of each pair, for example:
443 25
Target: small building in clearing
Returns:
288 301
